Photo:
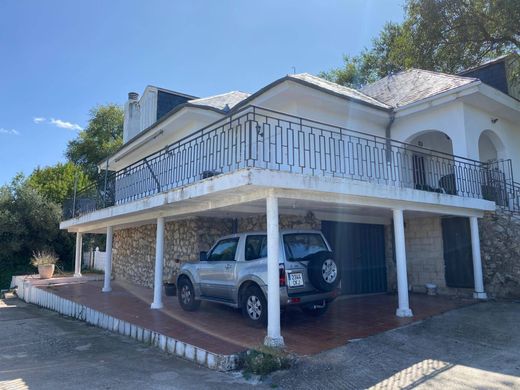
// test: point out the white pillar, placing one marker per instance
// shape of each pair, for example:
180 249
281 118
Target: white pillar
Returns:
108 260
400 260
477 261
274 337
77 260
159 262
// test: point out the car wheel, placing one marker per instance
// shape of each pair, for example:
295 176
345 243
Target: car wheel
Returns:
254 307
186 295
324 273
312 311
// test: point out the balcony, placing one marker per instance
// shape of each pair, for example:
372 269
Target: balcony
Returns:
260 138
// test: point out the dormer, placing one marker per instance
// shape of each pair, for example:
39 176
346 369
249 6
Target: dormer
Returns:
141 113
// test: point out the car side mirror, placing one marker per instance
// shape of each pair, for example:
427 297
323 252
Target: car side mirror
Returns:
203 256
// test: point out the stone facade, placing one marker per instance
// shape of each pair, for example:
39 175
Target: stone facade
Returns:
425 253
500 250
134 248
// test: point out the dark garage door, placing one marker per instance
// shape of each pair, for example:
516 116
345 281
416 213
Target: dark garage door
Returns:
458 257
360 249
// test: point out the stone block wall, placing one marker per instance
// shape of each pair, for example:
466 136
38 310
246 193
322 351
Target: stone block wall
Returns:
425 253
500 251
134 248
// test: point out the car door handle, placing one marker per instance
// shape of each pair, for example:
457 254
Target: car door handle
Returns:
228 266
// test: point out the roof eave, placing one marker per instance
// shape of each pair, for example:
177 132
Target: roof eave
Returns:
310 85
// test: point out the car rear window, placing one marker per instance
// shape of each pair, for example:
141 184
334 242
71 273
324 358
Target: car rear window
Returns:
256 247
299 245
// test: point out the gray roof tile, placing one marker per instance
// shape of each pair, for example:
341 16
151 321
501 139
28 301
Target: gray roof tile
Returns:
338 89
413 85
229 99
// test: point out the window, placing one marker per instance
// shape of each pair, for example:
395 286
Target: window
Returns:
225 250
256 247
299 245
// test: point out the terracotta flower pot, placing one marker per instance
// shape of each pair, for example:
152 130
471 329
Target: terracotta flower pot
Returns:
46 271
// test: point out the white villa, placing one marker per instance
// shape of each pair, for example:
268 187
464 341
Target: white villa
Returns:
400 176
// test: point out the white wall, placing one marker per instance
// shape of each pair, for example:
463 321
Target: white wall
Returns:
448 118
477 121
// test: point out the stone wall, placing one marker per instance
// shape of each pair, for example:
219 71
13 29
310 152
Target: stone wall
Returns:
500 251
134 248
259 223
425 253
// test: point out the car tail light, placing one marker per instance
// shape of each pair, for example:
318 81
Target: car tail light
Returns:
282 275
294 300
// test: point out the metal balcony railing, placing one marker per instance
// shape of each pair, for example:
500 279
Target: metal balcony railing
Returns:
262 138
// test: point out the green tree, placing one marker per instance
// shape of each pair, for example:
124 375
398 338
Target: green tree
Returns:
440 35
56 183
103 136
28 222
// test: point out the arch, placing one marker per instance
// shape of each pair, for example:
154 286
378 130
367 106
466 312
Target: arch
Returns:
490 146
432 139
428 170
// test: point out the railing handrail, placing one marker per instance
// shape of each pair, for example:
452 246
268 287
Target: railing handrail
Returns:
289 123
235 115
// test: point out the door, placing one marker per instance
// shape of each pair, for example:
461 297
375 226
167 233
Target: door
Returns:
360 250
458 257
217 274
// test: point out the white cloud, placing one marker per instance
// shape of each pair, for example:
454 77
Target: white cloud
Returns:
38 119
65 125
9 131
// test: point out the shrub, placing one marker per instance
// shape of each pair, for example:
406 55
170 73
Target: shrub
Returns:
264 360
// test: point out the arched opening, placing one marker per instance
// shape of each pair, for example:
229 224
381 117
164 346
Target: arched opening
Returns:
490 147
432 162
497 171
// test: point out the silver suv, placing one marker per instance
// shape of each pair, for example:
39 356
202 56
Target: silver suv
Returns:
234 273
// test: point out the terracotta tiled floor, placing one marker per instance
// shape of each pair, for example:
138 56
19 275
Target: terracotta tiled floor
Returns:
221 329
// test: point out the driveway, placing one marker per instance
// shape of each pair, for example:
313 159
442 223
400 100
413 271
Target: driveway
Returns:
40 349
474 347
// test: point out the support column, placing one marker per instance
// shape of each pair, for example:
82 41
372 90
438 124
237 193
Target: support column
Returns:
159 262
77 260
400 260
108 260
477 261
274 337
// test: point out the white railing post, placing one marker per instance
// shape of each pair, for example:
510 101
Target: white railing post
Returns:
274 337
108 259
159 261
477 261
400 261
77 259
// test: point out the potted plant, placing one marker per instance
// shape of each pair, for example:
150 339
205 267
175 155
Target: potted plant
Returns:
45 261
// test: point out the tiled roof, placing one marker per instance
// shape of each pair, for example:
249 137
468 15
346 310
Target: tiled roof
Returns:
338 89
229 99
413 85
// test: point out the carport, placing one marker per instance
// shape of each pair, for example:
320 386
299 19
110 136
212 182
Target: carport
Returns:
254 191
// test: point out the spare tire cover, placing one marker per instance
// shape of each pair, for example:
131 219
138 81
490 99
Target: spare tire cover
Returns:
323 271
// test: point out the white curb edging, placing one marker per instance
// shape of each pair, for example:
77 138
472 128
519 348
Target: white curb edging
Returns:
38 296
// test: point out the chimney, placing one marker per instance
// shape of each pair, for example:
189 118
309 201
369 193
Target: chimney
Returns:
132 117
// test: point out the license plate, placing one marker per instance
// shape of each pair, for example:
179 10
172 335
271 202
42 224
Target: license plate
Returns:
295 279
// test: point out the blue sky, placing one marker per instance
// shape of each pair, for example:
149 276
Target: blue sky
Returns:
58 59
